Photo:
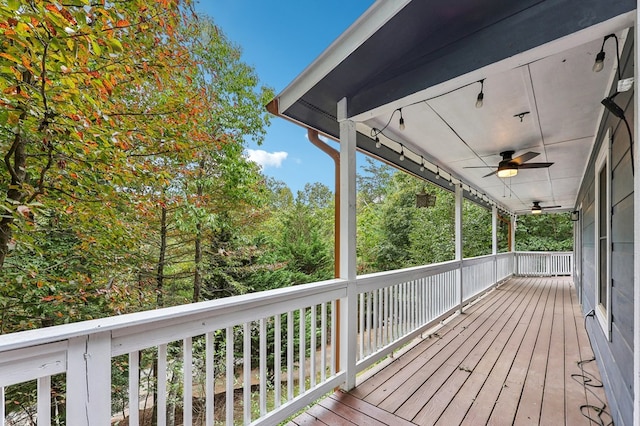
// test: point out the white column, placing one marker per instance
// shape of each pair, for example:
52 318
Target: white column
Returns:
494 230
348 307
636 245
494 241
458 227
513 245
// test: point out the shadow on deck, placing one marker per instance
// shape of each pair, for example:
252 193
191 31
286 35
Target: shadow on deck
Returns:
520 355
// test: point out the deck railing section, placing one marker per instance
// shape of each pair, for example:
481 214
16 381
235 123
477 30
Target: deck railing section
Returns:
544 264
256 358
505 263
478 274
395 307
293 330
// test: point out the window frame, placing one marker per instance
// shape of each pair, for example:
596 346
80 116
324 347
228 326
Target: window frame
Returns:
603 308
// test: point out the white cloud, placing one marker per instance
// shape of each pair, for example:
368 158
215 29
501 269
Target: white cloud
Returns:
267 159
321 137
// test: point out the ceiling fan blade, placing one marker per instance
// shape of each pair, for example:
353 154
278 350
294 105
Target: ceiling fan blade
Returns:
550 207
534 165
490 174
524 157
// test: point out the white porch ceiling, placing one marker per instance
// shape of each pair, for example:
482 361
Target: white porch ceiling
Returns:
560 95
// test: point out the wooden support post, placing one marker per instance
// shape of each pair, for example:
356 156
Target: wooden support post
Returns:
348 307
458 229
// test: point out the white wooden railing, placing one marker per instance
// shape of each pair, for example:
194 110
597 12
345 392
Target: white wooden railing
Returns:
543 264
203 351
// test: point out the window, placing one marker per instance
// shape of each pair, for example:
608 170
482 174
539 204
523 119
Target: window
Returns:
603 236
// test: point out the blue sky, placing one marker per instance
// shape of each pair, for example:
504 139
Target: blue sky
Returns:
279 38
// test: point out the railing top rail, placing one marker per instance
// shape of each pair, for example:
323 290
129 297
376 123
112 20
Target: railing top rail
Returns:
469 261
544 252
505 254
173 314
484 256
406 274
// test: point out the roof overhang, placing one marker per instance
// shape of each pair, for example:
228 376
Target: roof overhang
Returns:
426 57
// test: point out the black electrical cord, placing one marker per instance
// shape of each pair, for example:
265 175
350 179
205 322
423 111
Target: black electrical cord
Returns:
630 143
588 381
375 131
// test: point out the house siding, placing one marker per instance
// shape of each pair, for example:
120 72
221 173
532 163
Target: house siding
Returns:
614 357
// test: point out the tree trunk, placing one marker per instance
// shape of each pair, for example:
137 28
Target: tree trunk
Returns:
159 298
161 258
15 161
197 278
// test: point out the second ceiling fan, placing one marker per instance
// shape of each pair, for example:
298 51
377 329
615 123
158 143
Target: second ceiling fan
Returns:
509 166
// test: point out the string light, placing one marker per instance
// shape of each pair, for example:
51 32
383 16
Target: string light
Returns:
401 123
480 98
423 165
598 65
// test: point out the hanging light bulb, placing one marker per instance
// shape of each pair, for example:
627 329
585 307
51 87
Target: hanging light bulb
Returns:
437 172
598 65
378 144
402 126
422 164
480 98
401 153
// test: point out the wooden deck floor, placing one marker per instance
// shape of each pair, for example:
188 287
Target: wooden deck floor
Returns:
512 358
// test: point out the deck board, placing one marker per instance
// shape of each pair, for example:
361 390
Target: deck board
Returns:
491 372
512 358
438 363
481 358
510 389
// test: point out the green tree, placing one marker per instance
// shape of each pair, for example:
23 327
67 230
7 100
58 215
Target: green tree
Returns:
545 232
476 230
91 96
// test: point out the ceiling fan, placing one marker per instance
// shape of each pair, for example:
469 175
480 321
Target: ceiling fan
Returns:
536 208
509 166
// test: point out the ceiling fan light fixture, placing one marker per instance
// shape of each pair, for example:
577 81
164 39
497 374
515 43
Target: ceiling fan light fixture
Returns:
535 208
507 171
